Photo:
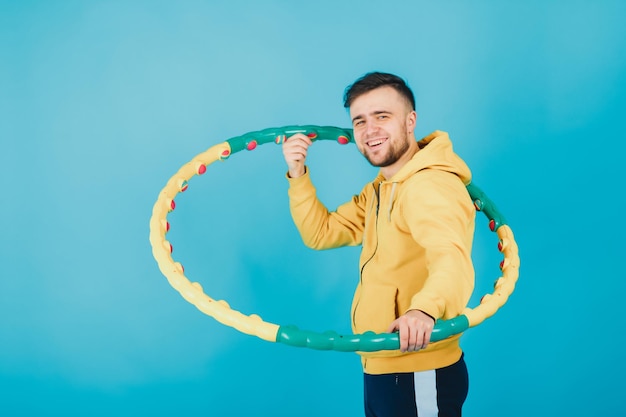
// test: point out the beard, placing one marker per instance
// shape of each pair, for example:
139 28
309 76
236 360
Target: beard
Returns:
394 153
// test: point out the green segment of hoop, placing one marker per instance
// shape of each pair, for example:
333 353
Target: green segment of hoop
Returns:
364 342
278 134
484 204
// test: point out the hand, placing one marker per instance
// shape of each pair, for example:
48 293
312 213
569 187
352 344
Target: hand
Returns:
294 150
415 328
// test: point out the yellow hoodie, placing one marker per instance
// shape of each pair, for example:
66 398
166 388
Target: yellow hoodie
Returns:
416 232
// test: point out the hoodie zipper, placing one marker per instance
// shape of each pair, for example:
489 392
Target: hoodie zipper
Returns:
377 195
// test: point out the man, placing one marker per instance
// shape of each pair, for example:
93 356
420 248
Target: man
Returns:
415 223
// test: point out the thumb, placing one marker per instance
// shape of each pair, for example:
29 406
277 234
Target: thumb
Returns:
393 326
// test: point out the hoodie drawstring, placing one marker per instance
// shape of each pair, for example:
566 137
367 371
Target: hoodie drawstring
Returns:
393 191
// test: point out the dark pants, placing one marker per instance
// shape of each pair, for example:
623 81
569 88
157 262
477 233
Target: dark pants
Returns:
437 393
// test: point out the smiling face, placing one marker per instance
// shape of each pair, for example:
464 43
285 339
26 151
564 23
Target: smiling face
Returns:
383 124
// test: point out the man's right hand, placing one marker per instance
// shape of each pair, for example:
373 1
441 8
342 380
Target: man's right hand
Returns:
294 150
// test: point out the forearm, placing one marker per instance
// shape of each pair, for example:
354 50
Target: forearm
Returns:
319 228
448 287
444 228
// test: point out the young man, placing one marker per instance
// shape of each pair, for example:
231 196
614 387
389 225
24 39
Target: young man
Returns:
415 223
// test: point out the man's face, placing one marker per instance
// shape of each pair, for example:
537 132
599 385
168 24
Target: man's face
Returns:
383 124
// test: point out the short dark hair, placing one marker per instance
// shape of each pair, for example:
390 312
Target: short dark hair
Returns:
374 80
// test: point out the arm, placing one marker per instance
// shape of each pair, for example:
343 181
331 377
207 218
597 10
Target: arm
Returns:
319 228
443 224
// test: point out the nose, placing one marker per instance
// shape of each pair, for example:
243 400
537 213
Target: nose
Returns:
371 128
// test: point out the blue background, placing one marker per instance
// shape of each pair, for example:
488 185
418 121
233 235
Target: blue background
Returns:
102 101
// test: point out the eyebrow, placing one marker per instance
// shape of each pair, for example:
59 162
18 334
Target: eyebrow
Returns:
374 113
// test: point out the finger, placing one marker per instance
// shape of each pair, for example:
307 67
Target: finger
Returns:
297 147
404 336
299 136
296 153
426 340
393 326
428 330
418 339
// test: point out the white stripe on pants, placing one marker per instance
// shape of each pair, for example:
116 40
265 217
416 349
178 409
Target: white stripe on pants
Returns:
426 393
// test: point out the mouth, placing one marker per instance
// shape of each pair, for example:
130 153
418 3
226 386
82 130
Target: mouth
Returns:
375 143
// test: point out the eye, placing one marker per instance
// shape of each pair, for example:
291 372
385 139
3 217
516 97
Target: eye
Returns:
358 123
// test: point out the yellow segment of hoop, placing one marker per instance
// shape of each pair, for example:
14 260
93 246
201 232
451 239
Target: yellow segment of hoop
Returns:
504 286
173 271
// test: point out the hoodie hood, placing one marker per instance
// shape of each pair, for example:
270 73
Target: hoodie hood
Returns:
435 152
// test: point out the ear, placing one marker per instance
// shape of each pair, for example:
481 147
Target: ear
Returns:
411 121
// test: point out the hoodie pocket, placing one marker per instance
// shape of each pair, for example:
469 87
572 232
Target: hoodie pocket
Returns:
376 308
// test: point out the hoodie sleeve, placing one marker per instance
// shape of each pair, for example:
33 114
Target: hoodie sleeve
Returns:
319 228
440 217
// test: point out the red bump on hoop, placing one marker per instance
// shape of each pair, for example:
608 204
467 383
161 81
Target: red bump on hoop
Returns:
312 135
168 246
492 225
343 140
201 169
251 145
225 154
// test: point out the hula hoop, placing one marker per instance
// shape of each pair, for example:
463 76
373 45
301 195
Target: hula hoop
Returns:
292 335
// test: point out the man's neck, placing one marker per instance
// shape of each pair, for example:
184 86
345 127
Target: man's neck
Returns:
391 170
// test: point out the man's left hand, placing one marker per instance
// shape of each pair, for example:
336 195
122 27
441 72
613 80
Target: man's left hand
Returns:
415 328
